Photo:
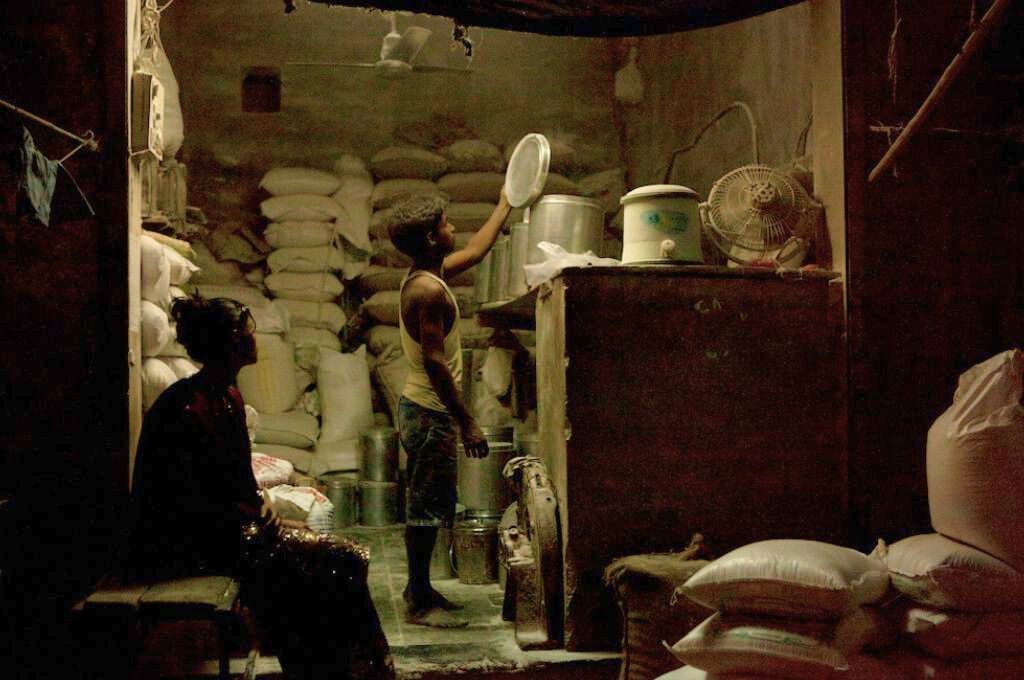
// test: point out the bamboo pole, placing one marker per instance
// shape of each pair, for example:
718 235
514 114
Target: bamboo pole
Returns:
971 46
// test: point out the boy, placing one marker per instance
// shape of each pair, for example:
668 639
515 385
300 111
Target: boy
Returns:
431 412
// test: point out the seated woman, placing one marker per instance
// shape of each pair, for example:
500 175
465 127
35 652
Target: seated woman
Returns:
197 510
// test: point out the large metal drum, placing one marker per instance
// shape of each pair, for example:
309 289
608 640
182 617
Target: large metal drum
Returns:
378 461
483 490
573 222
476 551
378 503
342 493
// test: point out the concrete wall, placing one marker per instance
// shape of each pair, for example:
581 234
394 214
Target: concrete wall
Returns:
517 83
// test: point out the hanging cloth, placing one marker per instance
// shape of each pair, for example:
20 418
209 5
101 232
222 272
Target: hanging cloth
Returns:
37 180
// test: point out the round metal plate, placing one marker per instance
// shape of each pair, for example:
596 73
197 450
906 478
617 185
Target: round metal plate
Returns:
527 170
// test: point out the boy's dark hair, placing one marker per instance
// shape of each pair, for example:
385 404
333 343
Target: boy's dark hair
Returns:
412 221
207 327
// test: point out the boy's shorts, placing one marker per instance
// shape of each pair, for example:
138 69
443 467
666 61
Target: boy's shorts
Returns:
430 439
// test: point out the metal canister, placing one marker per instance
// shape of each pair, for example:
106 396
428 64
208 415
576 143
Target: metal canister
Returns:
341 491
499 270
441 559
476 551
378 503
483 490
378 460
573 222
518 251
482 279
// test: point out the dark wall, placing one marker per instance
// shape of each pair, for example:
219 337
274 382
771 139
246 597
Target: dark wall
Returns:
934 259
63 348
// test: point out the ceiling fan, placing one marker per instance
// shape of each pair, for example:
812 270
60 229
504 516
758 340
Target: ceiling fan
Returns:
398 53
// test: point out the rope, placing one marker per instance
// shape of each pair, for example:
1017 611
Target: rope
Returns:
718 116
893 57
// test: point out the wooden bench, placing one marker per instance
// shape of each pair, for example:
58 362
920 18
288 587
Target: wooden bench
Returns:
204 598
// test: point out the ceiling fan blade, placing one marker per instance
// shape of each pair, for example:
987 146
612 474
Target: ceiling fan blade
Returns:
439 69
413 39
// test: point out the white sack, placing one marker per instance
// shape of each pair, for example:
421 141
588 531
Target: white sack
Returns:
267 315
391 192
269 471
156 377
173 348
293 428
405 162
300 208
345 394
303 336
315 259
156 331
299 458
356 261
354 223
173 122
303 503
181 268
182 367
299 234
975 461
318 287
792 578
347 164
354 186
325 315
937 571
287 181
155 273
269 384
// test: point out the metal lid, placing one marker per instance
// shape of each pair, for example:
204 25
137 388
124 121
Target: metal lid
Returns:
337 480
379 432
527 170
659 191
572 200
493 446
476 526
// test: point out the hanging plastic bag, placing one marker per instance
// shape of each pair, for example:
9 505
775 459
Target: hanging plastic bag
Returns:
558 258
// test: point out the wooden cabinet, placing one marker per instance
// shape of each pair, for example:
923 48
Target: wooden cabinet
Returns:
675 400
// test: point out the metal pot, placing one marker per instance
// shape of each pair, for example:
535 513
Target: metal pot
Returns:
378 503
573 222
378 461
499 270
482 279
341 491
476 552
483 490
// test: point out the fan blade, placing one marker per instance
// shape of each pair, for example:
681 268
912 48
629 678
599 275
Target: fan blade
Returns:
439 69
413 39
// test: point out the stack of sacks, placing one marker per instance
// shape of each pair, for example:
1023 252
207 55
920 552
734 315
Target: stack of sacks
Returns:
346 404
275 384
789 609
163 270
966 583
964 615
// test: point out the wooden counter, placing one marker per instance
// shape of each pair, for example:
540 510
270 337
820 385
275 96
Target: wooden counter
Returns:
674 400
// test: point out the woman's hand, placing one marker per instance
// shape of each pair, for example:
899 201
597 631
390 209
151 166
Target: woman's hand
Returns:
270 519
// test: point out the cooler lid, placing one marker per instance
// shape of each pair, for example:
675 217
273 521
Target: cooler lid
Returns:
658 191
527 170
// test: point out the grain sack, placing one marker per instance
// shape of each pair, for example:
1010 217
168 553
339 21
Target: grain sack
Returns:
292 428
437 132
299 234
302 503
344 384
300 208
354 223
559 184
975 467
643 586
384 342
472 187
173 349
377 278
286 181
320 287
739 643
269 471
937 571
299 458
213 271
347 164
563 153
181 268
326 315
302 336
473 155
356 187
468 216
231 246
256 277
956 635
406 162
156 377
335 456
269 318
182 367
606 188
155 277
269 384
156 331
391 192
385 254
356 261
183 248
792 578
313 259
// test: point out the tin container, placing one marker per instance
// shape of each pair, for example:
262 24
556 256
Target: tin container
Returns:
573 222
378 460
482 487
476 551
499 270
342 490
482 279
518 251
378 503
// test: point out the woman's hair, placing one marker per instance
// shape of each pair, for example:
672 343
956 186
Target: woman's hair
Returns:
207 328
412 221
